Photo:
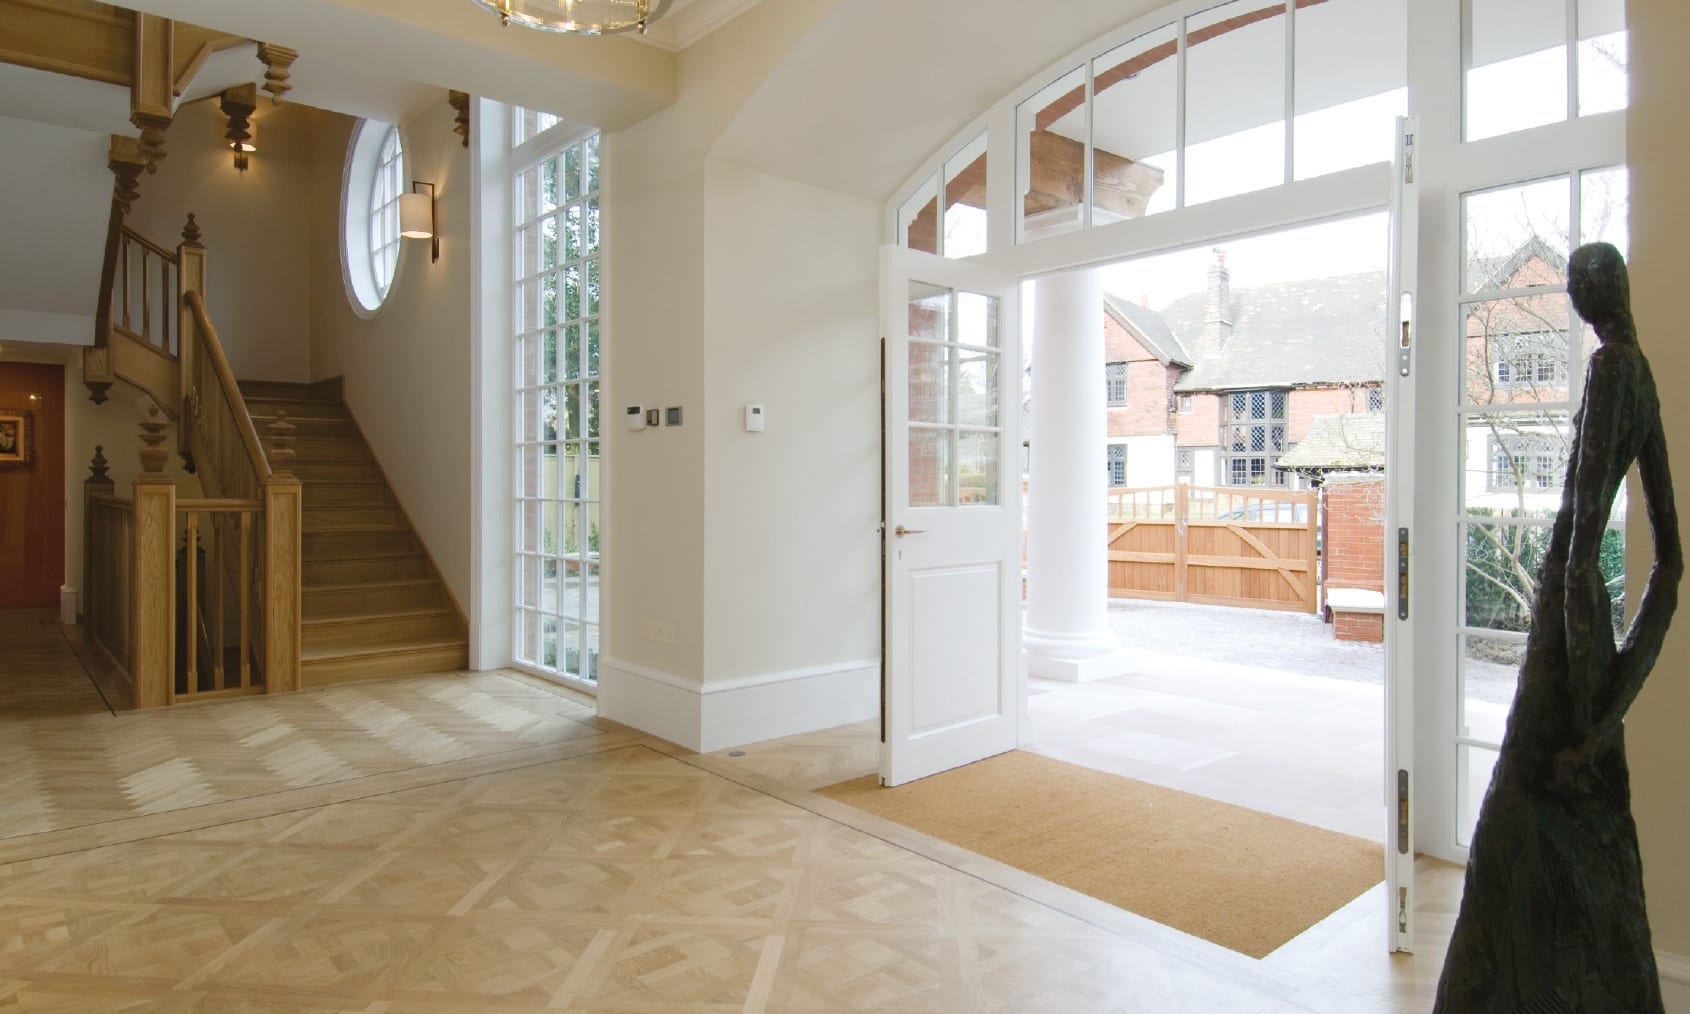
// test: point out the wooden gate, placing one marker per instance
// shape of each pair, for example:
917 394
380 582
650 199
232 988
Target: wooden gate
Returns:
1219 546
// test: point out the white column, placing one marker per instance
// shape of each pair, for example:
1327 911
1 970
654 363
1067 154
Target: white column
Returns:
1067 632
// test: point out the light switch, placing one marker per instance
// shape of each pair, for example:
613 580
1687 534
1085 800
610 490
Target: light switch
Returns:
753 418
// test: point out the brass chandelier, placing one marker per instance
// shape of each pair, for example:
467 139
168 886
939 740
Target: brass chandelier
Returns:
579 17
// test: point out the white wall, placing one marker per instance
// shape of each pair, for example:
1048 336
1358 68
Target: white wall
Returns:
57 207
1658 149
792 554
258 279
407 368
1150 460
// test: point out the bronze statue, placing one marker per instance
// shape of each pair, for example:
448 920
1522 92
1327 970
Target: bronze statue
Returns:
1553 918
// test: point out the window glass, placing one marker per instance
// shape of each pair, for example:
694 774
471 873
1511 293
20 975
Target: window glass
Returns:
1253 437
1235 100
965 200
558 295
1135 151
1351 83
918 219
1051 144
388 184
1604 85
1116 377
1517 236
528 123
1516 75
1117 464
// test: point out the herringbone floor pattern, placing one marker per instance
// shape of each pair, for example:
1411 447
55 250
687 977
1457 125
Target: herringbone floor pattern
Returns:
480 843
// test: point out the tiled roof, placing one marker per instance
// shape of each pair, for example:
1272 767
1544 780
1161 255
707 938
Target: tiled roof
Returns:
1150 329
1321 331
1339 442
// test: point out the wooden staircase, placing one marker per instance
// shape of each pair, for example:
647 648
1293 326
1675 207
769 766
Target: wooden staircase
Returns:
374 603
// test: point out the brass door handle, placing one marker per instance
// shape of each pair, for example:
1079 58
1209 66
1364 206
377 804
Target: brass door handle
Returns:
901 531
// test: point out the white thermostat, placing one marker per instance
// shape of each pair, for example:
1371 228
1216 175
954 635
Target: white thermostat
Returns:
753 418
636 417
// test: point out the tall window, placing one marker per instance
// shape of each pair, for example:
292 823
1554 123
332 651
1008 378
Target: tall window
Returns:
1117 464
558 294
1253 437
1528 461
389 183
1116 374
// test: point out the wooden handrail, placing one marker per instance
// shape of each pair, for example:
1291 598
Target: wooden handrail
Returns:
168 255
113 501
226 380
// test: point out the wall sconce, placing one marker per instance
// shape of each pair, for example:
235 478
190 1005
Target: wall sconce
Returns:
418 216
238 104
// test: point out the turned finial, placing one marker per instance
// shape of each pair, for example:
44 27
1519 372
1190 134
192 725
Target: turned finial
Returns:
277 62
99 465
153 453
191 232
282 454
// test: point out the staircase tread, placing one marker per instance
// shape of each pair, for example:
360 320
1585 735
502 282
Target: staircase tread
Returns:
365 529
401 582
398 647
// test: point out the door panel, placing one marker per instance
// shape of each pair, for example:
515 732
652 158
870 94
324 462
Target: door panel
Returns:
32 494
952 673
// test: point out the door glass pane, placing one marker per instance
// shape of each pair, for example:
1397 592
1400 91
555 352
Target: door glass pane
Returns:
1235 100
1517 70
976 320
1135 156
1490 670
965 200
930 383
1604 207
1516 351
1515 463
1051 142
978 474
570 603
977 388
1604 85
918 219
930 312
1351 83
930 467
591 592
569 654
1501 574
1474 766
1517 236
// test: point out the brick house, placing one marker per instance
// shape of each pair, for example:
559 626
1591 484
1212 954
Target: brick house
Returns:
1217 386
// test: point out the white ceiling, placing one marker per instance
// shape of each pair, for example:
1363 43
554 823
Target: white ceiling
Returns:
867 97
687 21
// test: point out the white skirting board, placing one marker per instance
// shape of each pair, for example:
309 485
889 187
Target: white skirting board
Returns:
1675 981
729 713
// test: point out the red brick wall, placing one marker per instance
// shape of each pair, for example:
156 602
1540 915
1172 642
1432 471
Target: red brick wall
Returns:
1308 402
1355 534
1200 427
1148 384
1359 627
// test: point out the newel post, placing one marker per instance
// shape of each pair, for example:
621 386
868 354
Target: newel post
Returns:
190 277
97 484
152 590
283 562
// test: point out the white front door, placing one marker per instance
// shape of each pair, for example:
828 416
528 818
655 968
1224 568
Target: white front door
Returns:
1402 311
952 680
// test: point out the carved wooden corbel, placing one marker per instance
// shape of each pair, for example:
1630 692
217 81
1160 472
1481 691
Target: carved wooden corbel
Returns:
277 63
127 163
460 103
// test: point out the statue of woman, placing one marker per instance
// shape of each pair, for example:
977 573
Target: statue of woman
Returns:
1553 919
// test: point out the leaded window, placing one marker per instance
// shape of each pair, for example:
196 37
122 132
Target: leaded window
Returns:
1117 464
1116 375
1253 437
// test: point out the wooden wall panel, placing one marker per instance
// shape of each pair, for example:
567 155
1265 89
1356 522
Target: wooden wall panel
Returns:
32 496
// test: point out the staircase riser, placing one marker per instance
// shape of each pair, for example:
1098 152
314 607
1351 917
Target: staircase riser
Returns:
254 389
348 517
310 429
325 545
330 450
268 407
328 494
360 634
323 603
323 672
345 471
331 571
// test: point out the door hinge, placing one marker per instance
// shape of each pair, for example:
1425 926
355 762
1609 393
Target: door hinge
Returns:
1408 156
1402 573
1402 910
1402 811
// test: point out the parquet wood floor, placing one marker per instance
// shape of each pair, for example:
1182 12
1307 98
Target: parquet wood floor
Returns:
444 844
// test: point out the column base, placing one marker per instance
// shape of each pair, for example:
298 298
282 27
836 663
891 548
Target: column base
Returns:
1119 662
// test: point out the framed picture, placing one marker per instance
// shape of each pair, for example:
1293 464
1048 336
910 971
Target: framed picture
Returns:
16 435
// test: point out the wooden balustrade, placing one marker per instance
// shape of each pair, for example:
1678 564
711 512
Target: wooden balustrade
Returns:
145 293
219 651
110 526
229 625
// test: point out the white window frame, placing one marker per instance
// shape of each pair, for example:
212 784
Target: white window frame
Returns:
371 254
1115 377
1117 464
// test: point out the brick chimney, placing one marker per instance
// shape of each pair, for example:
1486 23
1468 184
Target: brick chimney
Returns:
1217 308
